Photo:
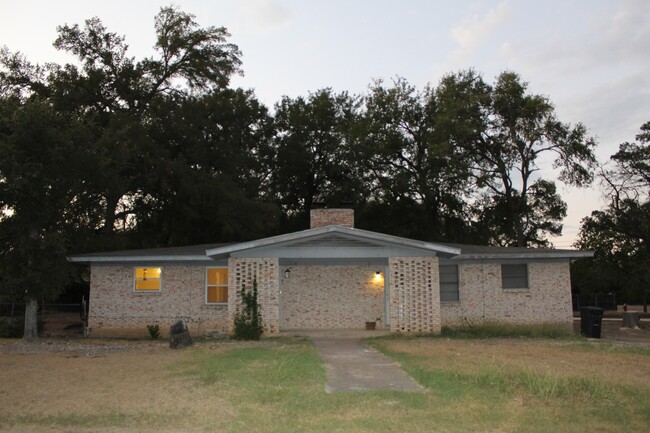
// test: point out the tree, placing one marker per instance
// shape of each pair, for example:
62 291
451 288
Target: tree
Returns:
313 160
99 112
620 233
114 94
504 132
213 169
39 199
415 180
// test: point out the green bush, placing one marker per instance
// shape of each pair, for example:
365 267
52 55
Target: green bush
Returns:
154 331
14 327
248 319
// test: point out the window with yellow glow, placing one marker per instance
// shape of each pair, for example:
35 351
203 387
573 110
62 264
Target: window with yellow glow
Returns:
147 279
216 286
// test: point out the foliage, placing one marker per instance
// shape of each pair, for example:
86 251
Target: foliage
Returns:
41 204
503 132
212 171
619 234
417 185
154 331
78 153
314 160
248 317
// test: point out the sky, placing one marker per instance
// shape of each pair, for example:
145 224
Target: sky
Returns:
591 58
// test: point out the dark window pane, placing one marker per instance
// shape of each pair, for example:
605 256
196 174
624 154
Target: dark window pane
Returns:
449 283
514 276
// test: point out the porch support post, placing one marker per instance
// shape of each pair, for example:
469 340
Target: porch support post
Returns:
241 273
414 294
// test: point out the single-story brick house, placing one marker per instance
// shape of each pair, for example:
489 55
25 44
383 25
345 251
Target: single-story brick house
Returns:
329 276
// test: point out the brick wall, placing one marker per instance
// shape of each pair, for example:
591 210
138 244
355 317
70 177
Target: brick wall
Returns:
326 297
328 217
547 300
242 272
414 294
116 310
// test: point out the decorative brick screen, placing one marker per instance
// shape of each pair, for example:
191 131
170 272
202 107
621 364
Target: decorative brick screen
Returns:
242 272
414 294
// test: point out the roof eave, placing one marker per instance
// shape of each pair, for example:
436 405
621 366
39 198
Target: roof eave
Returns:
531 255
106 259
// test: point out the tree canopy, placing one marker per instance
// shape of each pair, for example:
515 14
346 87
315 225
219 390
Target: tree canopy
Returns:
619 234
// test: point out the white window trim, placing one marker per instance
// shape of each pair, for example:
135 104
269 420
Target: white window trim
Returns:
206 286
135 290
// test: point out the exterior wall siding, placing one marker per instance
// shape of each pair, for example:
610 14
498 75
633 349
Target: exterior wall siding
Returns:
414 294
241 273
329 297
115 309
482 299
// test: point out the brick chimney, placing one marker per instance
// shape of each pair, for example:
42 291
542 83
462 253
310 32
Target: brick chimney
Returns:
321 217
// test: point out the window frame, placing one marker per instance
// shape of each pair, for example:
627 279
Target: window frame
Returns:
207 269
515 277
135 280
457 300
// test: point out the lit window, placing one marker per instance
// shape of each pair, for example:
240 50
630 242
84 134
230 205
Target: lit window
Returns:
147 279
514 276
449 283
216 291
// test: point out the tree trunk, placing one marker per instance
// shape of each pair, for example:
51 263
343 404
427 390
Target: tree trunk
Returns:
31 320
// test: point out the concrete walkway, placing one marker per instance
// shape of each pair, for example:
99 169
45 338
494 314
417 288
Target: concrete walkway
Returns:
351 365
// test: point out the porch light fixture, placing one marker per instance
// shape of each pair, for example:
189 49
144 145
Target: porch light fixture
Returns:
378 276
287 273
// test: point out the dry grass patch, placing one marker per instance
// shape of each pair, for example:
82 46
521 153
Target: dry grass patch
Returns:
557 357
546 385
122 390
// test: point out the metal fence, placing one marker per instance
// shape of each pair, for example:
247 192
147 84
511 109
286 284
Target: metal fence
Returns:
606 302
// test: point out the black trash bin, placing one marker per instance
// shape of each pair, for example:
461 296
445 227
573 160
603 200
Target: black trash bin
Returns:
591 319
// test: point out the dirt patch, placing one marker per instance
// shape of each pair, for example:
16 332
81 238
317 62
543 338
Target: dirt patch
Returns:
76 347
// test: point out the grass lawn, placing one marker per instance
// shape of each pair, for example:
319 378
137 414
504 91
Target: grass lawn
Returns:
277 385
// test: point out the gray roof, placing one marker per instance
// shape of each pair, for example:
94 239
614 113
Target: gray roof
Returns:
208 252
491 252
184 253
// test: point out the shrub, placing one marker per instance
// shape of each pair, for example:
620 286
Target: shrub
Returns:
154 331
248 319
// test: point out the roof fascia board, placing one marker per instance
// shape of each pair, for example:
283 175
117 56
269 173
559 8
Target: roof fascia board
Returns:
530 255
351 233
100 259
